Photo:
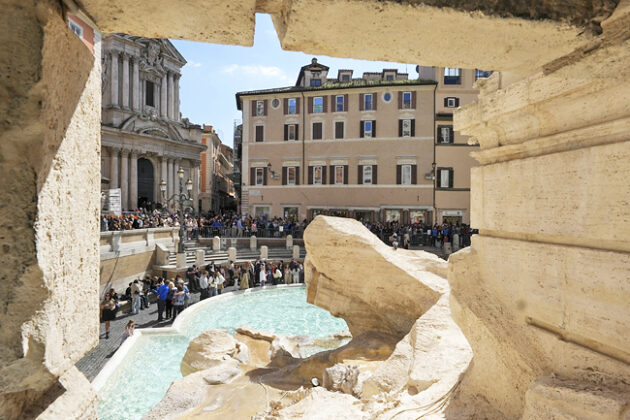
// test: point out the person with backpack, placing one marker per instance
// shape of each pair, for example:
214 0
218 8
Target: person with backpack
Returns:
179 300
169 300
162 296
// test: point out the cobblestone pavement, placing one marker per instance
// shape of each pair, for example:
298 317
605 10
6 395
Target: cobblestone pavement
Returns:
93 362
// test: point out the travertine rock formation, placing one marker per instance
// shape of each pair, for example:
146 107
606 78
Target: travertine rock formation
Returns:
212 348
355 276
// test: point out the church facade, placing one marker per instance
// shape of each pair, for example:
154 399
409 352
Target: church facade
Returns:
144 139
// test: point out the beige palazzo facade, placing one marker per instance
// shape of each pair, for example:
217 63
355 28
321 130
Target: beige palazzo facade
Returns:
377 148
144 139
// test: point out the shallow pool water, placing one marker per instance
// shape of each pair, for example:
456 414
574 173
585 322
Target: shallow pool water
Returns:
143 378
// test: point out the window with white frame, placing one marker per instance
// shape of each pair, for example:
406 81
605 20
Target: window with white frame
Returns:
406 100
452 76
291 175
367 174
318 105
367 128
405 174
292 105
317 175
260 108
339 103
445 134
451 102
291 131
368 103
445 177
76 28
406 128
339 174
260 176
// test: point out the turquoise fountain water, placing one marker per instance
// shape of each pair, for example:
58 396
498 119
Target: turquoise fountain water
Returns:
145 374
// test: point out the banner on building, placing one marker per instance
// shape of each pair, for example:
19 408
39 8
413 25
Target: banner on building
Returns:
112 202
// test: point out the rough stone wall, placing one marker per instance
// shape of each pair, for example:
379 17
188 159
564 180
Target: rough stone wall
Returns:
118 272
542 295
49 164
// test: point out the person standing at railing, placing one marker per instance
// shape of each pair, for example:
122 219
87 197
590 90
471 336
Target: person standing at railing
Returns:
239 228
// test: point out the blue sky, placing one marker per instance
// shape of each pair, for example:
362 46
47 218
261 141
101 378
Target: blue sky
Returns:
215 73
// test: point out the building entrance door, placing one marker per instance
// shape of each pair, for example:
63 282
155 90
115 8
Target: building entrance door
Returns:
145 184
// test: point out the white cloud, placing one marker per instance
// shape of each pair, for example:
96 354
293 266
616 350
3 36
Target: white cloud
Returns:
193 64
270 72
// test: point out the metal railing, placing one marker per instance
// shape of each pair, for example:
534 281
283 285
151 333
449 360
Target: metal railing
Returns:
245 232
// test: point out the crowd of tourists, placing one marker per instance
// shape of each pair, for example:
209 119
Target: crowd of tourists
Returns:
174 295
421 234
209 225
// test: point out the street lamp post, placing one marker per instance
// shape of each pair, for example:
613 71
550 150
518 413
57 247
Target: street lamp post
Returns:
181 198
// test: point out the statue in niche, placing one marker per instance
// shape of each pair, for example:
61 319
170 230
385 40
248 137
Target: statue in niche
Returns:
105 73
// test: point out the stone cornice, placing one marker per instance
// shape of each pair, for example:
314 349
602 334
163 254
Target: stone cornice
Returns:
546 105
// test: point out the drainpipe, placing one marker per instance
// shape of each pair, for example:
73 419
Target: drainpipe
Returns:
434 164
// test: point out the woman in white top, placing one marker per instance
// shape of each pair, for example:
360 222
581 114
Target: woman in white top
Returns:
263 276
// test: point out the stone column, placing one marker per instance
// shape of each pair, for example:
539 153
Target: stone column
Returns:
164 176
296 252
114 82
253 243
137 89
133 181
125 81
216 243
124 179
289 243
200 257
176 98
171 97
176 182
113 168
169 182
231 254
163 101
264 252
195 179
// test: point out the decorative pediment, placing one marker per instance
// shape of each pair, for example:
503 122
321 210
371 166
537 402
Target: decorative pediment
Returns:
155 131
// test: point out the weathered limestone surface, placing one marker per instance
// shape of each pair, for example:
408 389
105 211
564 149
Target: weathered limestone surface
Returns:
542 294
353 275
49 166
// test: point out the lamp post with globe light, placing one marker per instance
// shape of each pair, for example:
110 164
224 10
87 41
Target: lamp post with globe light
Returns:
181 197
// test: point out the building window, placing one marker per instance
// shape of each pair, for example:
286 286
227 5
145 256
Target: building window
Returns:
445 134
339 129
275 103
317 175
451 102
260 108
260 133
405 174
445 177
482 74
406 104
290 132
292 104
345 77
262 211
291 175
339 103
367 129
368 104
452 76
389 77
316 82
367 174
318 104
76 28
260 176
406 128
148 95
317 130
339 175
290 213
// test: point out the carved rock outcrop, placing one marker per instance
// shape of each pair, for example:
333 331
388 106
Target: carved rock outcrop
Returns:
374 288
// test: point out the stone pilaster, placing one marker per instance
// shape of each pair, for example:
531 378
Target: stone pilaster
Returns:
163 97
125 80
170 182
124 179
137 88
543 285
176 118
177 181
133 180
113 167
195 179
171 97
114 79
